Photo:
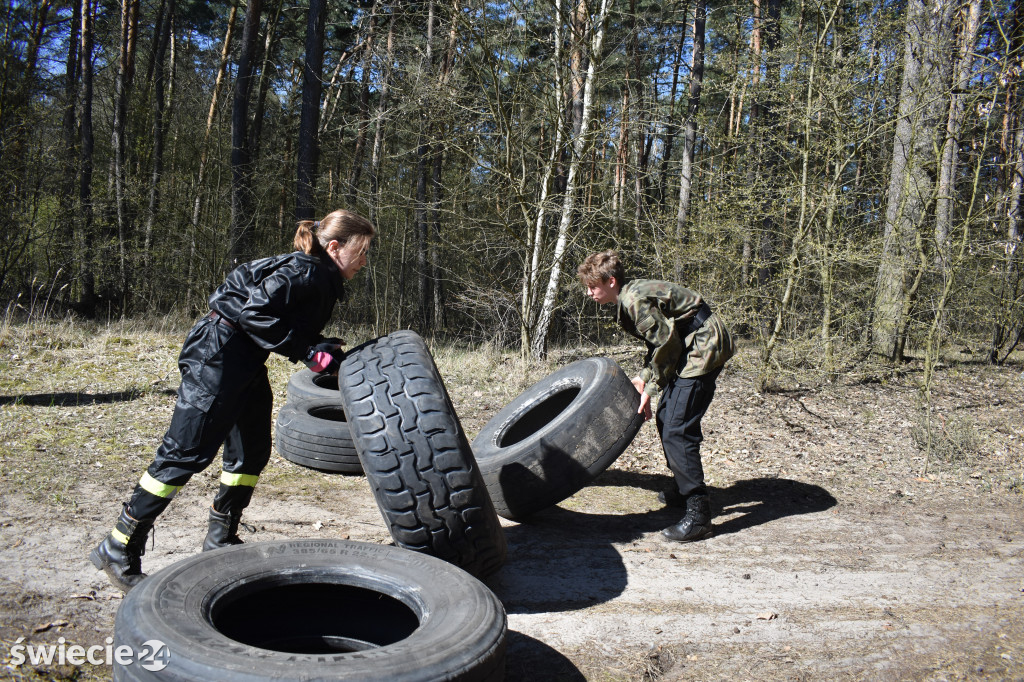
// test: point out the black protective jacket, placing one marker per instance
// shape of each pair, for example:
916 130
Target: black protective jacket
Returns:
283 302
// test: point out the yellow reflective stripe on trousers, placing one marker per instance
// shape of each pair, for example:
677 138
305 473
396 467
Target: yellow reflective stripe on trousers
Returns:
239 479
119 536
151 485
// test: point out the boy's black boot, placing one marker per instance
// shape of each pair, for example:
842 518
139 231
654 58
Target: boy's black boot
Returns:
696 525
223 530
120 553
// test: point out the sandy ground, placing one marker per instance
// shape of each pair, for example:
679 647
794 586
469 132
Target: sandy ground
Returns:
838 554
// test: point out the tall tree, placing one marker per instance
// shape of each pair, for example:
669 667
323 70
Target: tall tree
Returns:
926 71
242 216
580 147
969 21
309 127
356 168
69 127
159 126
86 240
122 94
690 132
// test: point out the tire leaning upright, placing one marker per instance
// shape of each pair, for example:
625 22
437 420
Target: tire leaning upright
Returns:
416 456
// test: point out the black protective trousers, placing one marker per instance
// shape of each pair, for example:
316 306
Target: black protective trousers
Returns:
683 404
224 399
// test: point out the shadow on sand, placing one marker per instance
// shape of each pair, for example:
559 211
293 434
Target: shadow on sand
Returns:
79 399
561 560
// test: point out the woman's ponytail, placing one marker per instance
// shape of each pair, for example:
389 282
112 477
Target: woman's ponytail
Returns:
313 236
306 239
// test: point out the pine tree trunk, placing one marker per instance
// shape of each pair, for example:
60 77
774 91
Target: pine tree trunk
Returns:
87 295
309 146
356 167
690 134
159 130
377 156
242 218
122 92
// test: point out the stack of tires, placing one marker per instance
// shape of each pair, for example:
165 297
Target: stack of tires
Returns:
311 428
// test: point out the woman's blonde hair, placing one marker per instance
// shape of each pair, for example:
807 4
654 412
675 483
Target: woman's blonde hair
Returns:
313 236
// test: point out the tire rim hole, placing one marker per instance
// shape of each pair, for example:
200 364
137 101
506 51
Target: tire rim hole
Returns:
539 416
328 381
332 413
312 618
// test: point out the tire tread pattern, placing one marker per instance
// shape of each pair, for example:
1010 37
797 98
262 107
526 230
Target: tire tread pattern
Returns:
416 456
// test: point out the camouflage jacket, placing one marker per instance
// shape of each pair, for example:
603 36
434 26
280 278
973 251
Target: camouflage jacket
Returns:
658 313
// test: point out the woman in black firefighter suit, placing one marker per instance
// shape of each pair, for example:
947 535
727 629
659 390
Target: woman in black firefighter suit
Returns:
278 304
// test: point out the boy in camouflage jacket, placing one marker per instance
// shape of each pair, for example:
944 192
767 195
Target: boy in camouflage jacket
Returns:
687 346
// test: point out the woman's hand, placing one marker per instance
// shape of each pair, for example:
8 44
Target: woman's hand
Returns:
645 399
324 358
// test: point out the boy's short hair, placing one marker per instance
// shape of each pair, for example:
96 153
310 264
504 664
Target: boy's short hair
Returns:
600 267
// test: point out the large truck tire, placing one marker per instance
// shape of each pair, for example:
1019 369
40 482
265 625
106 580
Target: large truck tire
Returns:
310 610
557 436
416 455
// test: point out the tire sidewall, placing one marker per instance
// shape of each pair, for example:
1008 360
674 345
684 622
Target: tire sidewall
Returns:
462 624
308 385
593 376
559 458
322 444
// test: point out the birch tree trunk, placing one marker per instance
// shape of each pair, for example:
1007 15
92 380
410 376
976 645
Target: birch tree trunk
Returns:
535 242
579 149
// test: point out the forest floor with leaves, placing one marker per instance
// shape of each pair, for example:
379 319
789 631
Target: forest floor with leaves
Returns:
840 550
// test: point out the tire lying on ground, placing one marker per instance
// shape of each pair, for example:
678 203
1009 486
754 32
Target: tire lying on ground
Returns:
308 385
310 609
416 455
557 436
314 433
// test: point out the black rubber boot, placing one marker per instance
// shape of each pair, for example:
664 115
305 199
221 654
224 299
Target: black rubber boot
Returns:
696 525
122 561
223 530
672 498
